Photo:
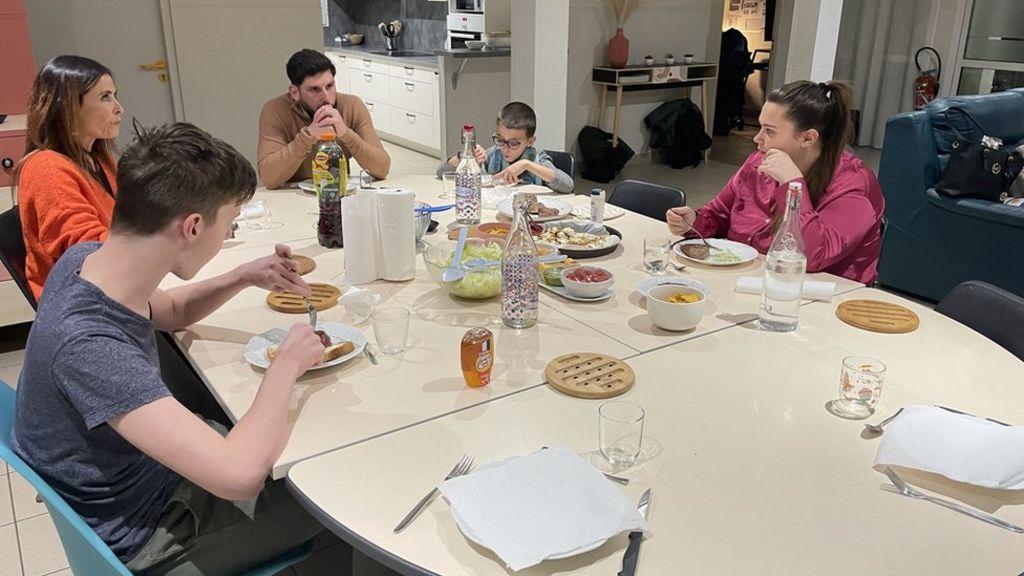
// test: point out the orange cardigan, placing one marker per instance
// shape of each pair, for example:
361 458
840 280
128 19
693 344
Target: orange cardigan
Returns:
60 205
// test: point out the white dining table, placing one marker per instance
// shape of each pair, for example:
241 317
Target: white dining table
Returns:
750 473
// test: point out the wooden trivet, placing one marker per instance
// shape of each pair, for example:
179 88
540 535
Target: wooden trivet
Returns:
306 264
324 296
878 316
589 375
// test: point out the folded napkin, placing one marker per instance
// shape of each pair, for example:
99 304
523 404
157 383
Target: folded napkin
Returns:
958 446
529 508
379 235
813 289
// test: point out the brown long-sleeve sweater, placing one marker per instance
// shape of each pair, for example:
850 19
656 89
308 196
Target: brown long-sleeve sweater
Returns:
285 149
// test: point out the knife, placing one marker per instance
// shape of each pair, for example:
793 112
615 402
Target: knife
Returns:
635 538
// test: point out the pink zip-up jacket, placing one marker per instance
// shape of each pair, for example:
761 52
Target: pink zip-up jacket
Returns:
841 234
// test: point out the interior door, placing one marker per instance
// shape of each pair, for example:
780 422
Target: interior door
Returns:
229 57
123 35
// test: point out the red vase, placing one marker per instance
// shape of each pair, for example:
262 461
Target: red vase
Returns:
618 50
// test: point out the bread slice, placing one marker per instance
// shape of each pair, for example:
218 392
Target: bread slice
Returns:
332 352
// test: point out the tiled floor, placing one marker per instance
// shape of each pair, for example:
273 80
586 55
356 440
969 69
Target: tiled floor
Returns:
29 545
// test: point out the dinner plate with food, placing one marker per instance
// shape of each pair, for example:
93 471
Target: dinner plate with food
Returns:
342 343
541 209
580 239
610 211
723 252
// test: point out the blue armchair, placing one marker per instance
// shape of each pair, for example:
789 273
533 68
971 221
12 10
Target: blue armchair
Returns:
933 242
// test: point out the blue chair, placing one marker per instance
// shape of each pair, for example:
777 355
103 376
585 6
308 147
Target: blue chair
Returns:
87 554
933 242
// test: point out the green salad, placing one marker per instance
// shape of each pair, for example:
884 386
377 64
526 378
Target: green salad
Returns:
481 284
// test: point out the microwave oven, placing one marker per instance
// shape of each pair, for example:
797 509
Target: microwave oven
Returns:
467 5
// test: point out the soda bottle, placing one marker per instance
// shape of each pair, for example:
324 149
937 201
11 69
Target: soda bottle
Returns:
467 181
784 270
330 178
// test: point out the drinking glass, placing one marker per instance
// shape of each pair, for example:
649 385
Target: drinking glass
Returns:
620 432
391 329
656 255
860 385
448 183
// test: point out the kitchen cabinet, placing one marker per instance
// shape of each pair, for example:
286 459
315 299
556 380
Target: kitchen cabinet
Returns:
341 80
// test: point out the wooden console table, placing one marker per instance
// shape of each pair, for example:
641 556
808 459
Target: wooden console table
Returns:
655 77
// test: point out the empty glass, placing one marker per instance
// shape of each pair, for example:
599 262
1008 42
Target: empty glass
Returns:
656 253
620 432
448 184
860 385
256 213
391 329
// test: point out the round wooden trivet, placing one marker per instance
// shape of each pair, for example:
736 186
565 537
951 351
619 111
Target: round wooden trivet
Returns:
589 375
324 296
306 264
878 316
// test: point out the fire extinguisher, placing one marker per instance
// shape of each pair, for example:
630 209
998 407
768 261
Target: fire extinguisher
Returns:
926 85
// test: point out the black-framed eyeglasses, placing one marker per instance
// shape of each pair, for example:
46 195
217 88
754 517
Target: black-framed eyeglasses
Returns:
501 142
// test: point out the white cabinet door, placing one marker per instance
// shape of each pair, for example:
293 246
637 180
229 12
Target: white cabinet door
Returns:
340 61
412 95
369 85
410 73
380 113
419 128
367 65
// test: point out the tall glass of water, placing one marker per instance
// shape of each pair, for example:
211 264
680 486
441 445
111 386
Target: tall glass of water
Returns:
620 432
656 254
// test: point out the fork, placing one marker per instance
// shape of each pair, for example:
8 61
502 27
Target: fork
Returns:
901 487
312 312
462 467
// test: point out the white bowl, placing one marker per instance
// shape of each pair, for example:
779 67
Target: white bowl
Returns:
587 289
475 44
675 316
497 41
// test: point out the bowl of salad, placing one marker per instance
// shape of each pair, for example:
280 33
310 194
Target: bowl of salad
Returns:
480 284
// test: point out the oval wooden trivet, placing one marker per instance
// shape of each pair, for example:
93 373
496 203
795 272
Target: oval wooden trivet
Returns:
878 316
306 264
589 375
324 296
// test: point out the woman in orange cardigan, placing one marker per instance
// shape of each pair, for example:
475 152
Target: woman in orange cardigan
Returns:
67 181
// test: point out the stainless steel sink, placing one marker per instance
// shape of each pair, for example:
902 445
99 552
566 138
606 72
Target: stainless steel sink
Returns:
401 53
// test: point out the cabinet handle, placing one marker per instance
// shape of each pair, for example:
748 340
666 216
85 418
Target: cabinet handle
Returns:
410 86
409 70
368 62
369 77
369 106
410 117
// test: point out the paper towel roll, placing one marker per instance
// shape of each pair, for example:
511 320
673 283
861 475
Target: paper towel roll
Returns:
359 231
397 233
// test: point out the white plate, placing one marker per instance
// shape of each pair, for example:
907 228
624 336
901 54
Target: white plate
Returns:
564 293
610 211
307 185
256 347
563 207
644 286
745 253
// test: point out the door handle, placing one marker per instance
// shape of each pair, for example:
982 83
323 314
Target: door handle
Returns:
156 66
409 86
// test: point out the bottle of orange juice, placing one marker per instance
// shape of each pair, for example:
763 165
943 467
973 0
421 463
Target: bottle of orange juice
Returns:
477 357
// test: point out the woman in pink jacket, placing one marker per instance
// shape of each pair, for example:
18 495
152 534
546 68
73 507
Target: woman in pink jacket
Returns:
805 127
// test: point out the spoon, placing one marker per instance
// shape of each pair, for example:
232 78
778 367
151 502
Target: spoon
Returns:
453 273
877 428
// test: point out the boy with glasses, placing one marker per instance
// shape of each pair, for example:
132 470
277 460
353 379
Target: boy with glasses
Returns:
513 159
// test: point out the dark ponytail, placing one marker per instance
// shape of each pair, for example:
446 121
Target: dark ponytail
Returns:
825 107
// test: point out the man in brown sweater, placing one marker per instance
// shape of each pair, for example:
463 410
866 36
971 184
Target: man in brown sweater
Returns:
291 124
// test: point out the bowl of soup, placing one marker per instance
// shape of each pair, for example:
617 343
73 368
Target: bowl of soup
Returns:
676 308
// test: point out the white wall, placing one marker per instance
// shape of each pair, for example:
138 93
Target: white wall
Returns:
540 65
656 28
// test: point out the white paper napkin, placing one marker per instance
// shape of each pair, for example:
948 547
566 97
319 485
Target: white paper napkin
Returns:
813 289
379 235
960 447
529 508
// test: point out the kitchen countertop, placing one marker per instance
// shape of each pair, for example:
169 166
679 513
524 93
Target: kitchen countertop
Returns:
360 51
467 53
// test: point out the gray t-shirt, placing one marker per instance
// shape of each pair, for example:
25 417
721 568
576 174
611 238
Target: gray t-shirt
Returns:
90 359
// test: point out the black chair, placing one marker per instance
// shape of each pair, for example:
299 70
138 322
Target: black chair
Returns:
652 200
989 310
564 161
12 251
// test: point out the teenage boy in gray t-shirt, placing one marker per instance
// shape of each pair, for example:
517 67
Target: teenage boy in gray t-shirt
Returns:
166 491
